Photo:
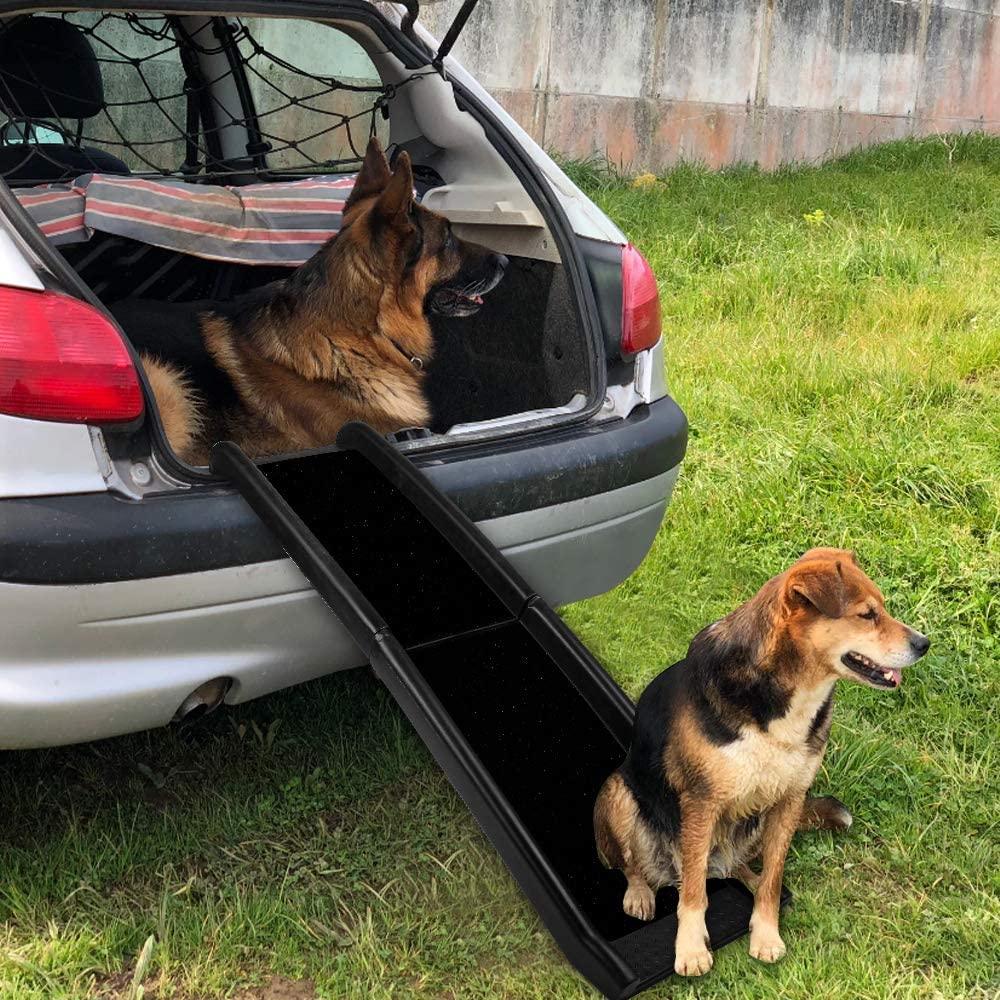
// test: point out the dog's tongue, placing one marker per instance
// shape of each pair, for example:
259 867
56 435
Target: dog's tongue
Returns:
894 675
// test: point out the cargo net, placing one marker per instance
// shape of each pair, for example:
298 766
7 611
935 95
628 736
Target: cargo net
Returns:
201 98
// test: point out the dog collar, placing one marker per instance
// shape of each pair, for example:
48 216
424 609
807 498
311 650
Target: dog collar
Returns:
414 359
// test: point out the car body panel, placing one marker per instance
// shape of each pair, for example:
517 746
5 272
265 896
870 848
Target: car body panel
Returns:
42 457
104 537
16 269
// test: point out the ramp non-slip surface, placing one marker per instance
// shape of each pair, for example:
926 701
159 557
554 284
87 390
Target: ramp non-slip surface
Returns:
421 586
523 720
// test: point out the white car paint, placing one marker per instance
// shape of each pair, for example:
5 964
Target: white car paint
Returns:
16 270
42 457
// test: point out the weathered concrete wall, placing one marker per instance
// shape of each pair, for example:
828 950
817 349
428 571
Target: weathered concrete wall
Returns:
154 128
651 82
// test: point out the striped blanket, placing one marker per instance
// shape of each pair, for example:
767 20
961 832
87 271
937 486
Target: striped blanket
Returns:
282 223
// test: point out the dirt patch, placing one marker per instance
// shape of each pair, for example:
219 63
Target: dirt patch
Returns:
117 985
114 985
280 988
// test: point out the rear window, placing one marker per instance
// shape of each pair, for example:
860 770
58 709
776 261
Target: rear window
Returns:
314 89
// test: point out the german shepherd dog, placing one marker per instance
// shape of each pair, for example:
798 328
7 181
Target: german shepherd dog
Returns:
727 742
345 337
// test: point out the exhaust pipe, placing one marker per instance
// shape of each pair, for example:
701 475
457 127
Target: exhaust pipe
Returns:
202 700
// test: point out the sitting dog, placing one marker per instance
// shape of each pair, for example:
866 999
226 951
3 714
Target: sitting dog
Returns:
727 742
344 337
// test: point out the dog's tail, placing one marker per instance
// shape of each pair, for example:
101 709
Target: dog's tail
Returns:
824 813
178 404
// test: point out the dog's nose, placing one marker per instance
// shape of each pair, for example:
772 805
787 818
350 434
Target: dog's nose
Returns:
919 643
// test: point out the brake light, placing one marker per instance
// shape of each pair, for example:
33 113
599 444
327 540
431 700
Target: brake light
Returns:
640 303
61 359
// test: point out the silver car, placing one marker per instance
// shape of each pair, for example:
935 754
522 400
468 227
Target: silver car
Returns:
135 589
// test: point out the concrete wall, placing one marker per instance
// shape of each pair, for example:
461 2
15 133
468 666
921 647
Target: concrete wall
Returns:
650 82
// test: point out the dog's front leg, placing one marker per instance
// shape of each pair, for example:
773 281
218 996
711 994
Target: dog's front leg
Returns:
692 956
779 825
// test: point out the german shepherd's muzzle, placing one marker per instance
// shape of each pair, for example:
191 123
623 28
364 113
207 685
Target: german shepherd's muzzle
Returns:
480 273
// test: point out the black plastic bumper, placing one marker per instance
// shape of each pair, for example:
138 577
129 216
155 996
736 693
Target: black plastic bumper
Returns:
99 538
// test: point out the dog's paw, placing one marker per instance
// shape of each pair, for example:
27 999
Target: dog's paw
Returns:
766 944
693 961
639 902
692 955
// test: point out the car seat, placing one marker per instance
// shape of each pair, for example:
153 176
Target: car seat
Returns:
49 71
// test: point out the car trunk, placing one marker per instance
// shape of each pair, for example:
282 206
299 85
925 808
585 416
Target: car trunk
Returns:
212 103
521 353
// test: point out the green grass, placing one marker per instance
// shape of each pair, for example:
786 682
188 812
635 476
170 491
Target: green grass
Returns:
842 378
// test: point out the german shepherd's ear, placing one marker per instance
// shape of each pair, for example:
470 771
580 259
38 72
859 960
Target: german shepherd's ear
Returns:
373 176
818 584
397 198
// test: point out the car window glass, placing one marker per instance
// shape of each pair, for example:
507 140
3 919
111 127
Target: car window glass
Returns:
313 89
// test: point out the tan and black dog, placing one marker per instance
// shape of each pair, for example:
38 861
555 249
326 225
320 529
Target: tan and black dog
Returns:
344 337
727 742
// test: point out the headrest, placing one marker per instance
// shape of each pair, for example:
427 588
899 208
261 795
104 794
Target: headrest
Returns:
48 70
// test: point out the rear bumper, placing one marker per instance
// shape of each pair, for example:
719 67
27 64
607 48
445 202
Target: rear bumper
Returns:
101 538
86 661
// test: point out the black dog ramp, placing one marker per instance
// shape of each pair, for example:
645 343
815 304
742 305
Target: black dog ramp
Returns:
523 720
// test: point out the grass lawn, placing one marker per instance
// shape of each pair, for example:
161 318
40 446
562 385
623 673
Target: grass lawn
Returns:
841 373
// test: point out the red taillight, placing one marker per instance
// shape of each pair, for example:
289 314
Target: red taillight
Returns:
640 303
60 359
